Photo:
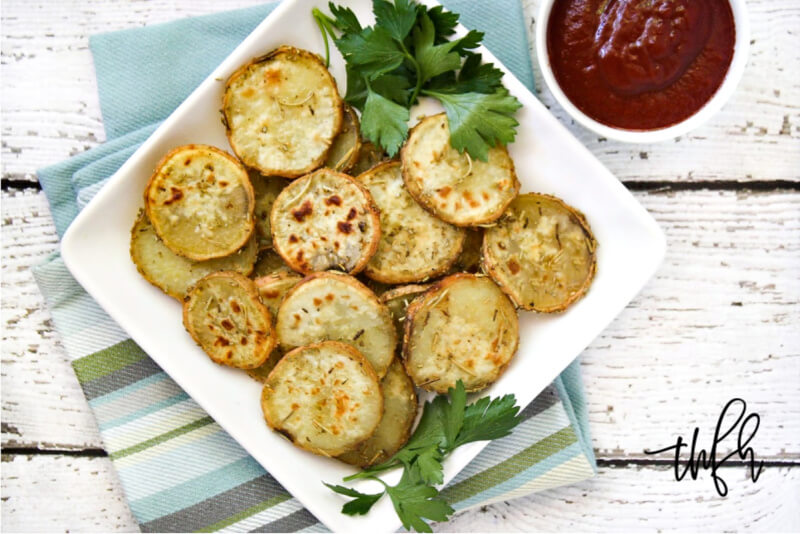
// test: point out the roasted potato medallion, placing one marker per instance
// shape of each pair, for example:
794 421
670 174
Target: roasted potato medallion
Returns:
174 274
346 146
541 253
399 412
369 156
398 300
267 189
463 328
325 220
337 307
271 290
414 244
454 187
200 202
282 112
224 315
325 398
261 373
469 261
269 262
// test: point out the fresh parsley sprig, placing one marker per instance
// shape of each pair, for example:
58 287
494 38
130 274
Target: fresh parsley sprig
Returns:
447 423
409 53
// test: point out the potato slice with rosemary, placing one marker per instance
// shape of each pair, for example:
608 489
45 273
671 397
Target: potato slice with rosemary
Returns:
369 156
200 201
346 146
469 261
174 274
282 112
267 189
271 290
454 187
324 398
325 220
414 244
399 412
463 328
224 315
337 307
261 373
541 253
398 300
269 262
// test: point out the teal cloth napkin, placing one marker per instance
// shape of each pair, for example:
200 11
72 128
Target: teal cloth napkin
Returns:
179 469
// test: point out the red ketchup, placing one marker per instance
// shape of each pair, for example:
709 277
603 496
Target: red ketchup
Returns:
640 64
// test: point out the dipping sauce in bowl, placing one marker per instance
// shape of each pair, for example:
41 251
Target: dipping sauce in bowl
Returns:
640 64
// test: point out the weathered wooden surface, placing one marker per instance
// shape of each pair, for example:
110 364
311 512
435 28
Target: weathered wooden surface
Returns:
62 493
718 320
48 41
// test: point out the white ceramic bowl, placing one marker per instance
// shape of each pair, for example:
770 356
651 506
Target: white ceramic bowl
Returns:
741 47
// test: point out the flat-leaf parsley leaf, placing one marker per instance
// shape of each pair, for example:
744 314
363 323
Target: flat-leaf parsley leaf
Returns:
409 53
447 422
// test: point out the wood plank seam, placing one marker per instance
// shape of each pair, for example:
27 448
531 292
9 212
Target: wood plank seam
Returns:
601 462
15 184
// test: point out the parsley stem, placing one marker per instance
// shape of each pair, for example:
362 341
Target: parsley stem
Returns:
370 471
324 23
414 62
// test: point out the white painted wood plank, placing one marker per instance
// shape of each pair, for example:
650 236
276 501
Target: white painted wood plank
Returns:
42 404
63 494
45 45
56 493
719 320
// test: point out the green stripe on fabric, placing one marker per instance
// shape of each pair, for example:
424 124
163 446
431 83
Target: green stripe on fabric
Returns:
106 361
152 442
510 467
253 510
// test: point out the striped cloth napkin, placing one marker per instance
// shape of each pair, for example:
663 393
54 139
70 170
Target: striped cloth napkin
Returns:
179 469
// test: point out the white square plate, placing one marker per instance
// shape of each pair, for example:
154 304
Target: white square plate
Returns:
548 159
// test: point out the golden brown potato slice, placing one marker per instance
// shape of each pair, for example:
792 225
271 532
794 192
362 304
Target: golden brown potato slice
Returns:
541 253
325 220
267 189
398 300
174 274
261 373
369 156
224 315
201 202
271 290
399 412
338 307
325 398
343 154
269 262
454 187
464 328
469 261
414 244
282 112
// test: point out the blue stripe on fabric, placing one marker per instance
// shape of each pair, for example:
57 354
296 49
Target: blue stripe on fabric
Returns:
179 465
523 477
196 490
144 411
127 390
